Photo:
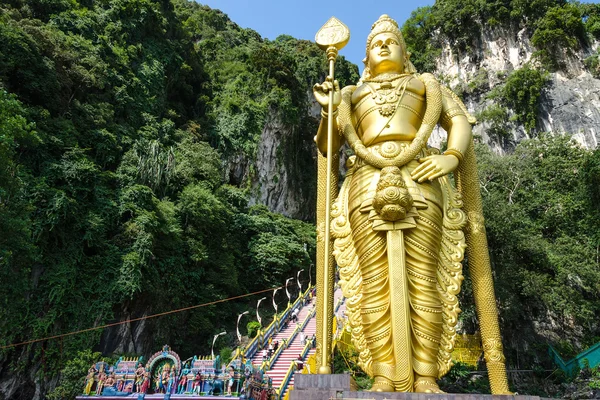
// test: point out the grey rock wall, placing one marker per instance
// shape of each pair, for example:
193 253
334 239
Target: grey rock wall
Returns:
569 102
272 186
498 51
283 175
572 106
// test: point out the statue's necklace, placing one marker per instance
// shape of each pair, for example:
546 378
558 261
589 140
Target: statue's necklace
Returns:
385 95
386 77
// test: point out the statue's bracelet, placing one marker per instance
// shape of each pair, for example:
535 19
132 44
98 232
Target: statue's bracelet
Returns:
324 113
456 153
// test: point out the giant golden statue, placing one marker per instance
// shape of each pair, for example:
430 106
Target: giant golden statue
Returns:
399 228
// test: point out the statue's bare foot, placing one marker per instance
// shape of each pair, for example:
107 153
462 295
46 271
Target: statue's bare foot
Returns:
382 384
426 384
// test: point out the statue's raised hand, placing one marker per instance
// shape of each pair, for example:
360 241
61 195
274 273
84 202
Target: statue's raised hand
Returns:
434 166
321 92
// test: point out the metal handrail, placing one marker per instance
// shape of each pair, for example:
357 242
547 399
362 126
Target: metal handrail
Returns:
298 328
288 375
251 347
266 365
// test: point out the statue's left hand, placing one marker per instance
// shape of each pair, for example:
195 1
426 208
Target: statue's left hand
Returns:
434 166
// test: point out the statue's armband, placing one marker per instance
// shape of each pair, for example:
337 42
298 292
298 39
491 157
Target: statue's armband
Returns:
345 123
452 106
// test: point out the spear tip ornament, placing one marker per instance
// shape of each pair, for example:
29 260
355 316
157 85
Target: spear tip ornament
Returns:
333 34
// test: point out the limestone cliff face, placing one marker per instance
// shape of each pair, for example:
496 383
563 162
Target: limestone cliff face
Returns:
12 387
283 175
569 101
496 51
572 106
273 183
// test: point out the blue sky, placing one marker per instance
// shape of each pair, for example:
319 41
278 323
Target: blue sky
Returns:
302 19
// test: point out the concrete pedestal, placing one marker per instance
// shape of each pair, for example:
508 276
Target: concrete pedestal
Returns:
331 387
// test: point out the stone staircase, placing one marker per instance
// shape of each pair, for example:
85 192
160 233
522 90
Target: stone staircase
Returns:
280 368
290 355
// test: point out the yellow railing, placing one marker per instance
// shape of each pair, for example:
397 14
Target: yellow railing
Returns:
311 362
467 349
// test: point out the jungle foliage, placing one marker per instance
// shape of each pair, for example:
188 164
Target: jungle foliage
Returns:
542 220
115 120
521 91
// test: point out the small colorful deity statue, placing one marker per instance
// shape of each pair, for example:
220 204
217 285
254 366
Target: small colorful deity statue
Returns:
139 377
89 379
230 380
171 383
197 383
217 364
121 383
146 383
110 380
101 380
164 379
182 383
247 376
157 384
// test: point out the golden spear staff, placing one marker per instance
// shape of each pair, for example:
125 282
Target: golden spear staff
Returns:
332 37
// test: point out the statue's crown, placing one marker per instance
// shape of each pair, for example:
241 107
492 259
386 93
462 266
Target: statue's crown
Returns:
384 19
385 24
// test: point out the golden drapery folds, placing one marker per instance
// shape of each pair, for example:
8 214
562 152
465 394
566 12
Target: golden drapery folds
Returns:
400 295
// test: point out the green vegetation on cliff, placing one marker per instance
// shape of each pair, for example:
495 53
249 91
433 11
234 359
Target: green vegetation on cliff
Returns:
117 120
549 36
521 91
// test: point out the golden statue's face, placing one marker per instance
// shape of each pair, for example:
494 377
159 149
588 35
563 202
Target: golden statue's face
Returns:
386 54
